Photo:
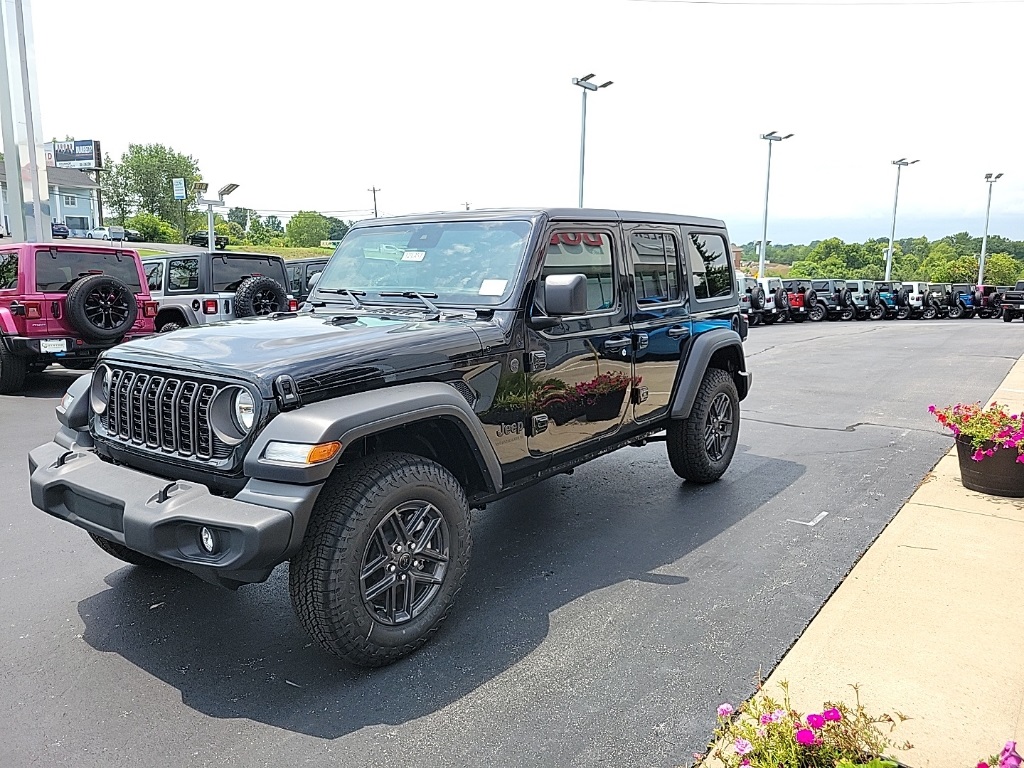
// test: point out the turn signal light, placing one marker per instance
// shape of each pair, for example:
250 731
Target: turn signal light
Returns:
210 307
150 308
301 453
33 310
323 452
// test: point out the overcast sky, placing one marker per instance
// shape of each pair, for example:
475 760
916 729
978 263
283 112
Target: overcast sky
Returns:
307 104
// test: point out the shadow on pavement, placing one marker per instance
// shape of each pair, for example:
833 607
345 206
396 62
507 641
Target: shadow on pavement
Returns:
53 382
243 654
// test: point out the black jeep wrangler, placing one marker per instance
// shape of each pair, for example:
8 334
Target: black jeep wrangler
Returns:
441 362
835 301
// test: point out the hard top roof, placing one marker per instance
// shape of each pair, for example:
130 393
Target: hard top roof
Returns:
552 214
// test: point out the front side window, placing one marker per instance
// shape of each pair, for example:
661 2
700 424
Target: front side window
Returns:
710 266
155 275
8 271
583 253
655 267
58 269
456 262
183 274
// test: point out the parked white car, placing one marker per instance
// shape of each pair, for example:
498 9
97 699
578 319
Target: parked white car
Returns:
776 300
915 297
99 233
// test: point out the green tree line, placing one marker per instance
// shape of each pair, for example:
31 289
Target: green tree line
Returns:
950 259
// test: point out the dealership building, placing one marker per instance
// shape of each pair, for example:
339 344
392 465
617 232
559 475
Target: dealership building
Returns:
74 194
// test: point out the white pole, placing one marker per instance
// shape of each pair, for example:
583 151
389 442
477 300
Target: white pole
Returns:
583 144
892 232
212 242
764 229
984 239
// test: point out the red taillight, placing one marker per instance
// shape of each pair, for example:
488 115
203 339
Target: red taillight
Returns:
33 310
150 308
293 305
210 307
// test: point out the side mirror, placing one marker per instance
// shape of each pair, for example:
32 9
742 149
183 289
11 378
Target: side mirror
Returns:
313 280
565 295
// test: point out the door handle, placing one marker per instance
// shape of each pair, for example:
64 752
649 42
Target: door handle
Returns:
677 331
617 344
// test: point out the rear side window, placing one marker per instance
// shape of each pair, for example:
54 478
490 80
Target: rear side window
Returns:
155 275
710 266
229 272
656 267
820 285
8 271
183 274
56 271
586 253
295 277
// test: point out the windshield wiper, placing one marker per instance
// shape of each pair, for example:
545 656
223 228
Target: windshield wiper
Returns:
424 297
346 292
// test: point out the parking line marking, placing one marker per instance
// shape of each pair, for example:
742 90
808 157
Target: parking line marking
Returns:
821 516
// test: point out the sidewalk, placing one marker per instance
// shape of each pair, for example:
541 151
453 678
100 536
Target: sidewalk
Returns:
929 622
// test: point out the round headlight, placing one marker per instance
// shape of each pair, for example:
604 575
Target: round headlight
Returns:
245 410
99 391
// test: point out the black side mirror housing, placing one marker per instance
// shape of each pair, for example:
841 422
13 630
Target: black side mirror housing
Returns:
565 295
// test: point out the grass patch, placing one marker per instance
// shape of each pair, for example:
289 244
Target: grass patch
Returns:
148 252
288 253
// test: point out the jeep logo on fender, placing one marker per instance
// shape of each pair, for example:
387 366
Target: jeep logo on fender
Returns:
519 428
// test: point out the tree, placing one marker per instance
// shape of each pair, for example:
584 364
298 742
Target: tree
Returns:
338 228
307 228
1001 269
235 232
152 228
961 270
274 224
141 183
242 216
258 233
114 187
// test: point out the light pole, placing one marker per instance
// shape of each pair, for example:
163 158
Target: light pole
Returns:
201 187
586 85
900 164
991 179
771 138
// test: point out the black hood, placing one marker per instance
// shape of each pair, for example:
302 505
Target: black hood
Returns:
319 351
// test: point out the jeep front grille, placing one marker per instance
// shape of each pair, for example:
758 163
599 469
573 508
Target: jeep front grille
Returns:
163 413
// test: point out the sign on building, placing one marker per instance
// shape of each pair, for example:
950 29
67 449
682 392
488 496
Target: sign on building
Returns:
179 188
83 153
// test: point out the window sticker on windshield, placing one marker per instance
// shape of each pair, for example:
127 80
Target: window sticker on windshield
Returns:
493 287
413 255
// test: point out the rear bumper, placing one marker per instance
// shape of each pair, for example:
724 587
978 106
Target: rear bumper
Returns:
161 519
26 346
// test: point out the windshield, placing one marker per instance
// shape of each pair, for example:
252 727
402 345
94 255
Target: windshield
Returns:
458 262
230 271
57 269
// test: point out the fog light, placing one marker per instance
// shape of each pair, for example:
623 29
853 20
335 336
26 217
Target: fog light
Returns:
208 540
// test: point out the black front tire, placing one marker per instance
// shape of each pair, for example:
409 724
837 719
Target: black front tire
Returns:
1007 316
168 327
328 577
121 552
694 451
818 312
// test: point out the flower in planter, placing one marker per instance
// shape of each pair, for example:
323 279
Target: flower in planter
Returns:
989 429
1008 758
765 733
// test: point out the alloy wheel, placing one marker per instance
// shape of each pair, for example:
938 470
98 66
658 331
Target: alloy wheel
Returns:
718 430
106 306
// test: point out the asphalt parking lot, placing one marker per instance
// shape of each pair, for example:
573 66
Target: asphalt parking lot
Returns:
605 615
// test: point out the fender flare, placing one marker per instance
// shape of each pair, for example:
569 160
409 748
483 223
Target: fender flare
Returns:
7 325
350 418
187 314
697 361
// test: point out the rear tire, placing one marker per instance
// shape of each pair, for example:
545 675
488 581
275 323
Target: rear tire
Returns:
929 312
121 552
877 312
1007 316
13 370
903 312
701 446
355 585
848 313
956 311
817 313
168 327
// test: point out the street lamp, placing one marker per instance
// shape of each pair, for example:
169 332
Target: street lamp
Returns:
991 179
586 85
900 164
771 138
201 187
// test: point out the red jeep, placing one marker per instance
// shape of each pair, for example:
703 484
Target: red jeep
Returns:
66 304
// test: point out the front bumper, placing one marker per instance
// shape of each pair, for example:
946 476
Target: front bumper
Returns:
162 519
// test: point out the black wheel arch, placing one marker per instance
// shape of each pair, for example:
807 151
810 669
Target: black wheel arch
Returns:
430 419
171 315
717 348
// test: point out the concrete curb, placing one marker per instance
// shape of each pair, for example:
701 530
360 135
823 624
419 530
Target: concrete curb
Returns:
929 621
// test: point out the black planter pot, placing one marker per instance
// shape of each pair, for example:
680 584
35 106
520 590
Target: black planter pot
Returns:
605 407
997 475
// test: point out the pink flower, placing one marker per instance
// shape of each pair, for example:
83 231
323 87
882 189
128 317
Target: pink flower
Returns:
833 715
931 409
990 452
761 733
725 710
765 719
743 747
1020 459
805 737
815 721
1009 758
778 714
745 762
978 455
982 764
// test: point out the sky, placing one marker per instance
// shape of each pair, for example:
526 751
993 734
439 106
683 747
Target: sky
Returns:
308 104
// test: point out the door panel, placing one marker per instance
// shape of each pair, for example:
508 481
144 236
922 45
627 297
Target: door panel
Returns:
580 372
660 315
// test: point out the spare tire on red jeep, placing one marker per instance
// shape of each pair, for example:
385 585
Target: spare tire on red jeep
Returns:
260 295
101 308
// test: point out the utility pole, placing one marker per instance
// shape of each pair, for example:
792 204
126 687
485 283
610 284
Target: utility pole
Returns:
900 165
467 206
374 190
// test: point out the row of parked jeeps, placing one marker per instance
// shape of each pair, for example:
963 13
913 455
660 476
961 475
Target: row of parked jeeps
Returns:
772 299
